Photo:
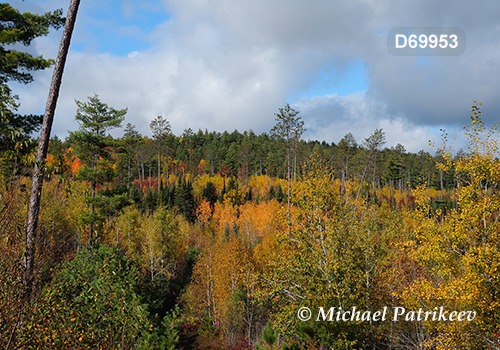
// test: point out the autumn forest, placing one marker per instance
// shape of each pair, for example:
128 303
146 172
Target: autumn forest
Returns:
226 240
212 240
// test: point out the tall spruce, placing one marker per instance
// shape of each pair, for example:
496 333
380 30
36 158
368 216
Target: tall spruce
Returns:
184 200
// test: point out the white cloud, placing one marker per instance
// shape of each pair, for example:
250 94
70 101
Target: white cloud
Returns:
333 116
225 65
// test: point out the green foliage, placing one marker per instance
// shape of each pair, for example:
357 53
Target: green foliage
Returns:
288 126
166 336
15 130
184 200
16 27
280 196
168 196
150 202
91 302
269 335
93 147
210 193
271 194
393 170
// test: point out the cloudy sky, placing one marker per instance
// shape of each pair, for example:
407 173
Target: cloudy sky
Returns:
226 64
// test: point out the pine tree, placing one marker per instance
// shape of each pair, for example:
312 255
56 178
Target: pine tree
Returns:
184 200
271 194
20 28
279 194
92 146
210 193
161 130
289 128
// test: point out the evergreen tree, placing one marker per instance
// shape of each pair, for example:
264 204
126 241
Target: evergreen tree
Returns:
279 194
161 130
16 27
134 194
131 143
209 193
184 200
271 194
289 129
222 192
150 202
92 146
19 28
269 335
393 173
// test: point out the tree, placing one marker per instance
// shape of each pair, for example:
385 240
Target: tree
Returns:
210 193
161 130
345 151
288 128
16 27
91 302
15 129
48 118
393 173
184 200
460 251
20 28
92 146
371 145
131 141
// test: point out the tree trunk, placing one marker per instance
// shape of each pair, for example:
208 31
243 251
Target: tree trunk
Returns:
138 170
288 166
48 118
128 172
362 179
143 173
93 186
441 178
166 175
150 174
159 169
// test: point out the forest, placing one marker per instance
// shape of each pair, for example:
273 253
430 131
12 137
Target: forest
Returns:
210 240
213 240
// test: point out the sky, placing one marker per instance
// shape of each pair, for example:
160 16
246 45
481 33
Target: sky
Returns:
223 65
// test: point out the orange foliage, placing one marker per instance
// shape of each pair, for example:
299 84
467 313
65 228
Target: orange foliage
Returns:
202 166
225 216
76 165
258 220
204 212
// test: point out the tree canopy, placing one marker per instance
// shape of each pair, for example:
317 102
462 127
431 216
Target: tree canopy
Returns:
17 27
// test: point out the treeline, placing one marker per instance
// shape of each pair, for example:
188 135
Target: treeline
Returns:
136 159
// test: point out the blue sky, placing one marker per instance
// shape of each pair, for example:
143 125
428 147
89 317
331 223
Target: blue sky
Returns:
225 65
331 80
120 27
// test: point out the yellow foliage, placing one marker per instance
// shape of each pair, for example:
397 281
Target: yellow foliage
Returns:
460 251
